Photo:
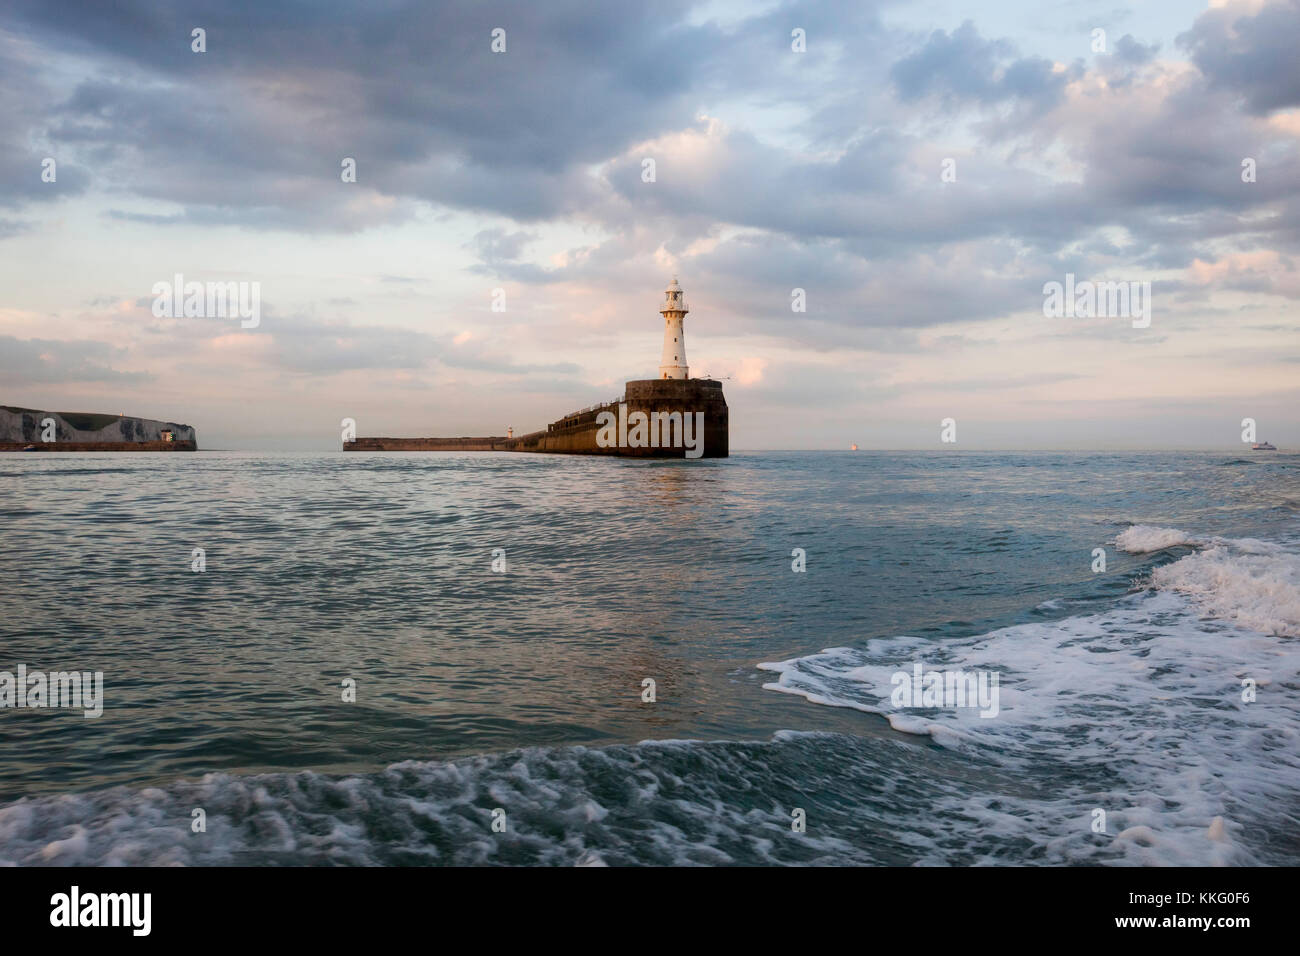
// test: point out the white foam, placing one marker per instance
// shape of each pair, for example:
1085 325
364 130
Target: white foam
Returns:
1258 590
1145 538
1249 582
1138 711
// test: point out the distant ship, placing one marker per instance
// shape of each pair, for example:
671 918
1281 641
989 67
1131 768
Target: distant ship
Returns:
1263 446
853 448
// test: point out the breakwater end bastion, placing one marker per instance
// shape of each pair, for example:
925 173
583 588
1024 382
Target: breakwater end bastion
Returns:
610 428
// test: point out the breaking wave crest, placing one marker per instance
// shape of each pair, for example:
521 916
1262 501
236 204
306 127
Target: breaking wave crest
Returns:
1141 711
659 803
1145 538
1253 583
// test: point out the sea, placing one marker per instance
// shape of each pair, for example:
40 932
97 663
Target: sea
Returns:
465 659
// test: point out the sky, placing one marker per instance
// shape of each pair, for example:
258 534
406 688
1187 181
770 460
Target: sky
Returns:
921 171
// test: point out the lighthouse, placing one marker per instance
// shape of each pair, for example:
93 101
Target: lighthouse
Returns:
674 310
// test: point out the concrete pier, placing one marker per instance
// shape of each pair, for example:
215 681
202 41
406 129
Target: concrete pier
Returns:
663 402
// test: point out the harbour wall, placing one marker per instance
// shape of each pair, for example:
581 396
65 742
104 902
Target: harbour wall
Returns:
428 444
576 433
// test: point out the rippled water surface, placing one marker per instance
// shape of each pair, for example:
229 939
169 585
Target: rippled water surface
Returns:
1120 690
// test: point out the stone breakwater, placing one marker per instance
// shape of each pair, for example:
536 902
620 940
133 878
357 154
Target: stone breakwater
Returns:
664 403
23 428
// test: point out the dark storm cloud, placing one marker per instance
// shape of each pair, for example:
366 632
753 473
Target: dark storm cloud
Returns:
1255 55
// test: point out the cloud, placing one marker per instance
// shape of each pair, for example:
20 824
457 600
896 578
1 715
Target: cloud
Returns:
42 361
498 251
1250 49
302 345
962 66
24 147
254 130
466 352
775 171
13 227
1263 271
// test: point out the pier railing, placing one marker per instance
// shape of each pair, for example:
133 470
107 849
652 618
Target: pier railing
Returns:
578 419
596 407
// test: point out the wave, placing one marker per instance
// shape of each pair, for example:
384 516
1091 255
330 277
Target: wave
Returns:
1144 711
657 802
1140 711
1253 583
1144 539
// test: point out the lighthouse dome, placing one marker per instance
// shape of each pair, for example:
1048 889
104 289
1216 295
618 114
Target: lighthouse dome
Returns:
674 298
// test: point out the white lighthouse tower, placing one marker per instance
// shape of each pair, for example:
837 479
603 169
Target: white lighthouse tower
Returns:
673 311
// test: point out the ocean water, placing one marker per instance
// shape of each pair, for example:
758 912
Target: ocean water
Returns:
479 690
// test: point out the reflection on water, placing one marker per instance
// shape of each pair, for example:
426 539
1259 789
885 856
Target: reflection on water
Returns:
377 568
